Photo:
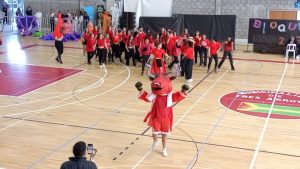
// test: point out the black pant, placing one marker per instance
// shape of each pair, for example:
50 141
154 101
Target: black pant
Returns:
101 52
145 59
215 57
182 64
175 61
52 24
137 54
110 58
203 56
130 54
197 50
116 51
188 68
90 56
229 54
59 45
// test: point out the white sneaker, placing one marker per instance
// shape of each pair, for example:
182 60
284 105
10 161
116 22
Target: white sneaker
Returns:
100 66
189 80
164 152
103 65
154 144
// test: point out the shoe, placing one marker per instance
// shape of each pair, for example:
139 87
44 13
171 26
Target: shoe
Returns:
233 69
215 71
207 71
89 62
60 62
165 152
57 59
154 144
189 80
103 65
142 73
100 66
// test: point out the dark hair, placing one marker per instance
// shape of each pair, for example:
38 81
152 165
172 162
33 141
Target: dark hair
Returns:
79 149
215 39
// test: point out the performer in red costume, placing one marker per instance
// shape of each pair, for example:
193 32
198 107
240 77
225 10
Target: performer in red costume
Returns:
58 35
160 117
158 64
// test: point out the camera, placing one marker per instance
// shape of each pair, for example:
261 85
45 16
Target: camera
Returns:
91 151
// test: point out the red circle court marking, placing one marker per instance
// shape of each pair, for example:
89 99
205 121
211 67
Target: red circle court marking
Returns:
258 103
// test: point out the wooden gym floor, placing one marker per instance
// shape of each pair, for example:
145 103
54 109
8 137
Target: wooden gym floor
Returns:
41 121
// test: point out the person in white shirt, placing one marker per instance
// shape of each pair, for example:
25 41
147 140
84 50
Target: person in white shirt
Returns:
52 16
115 12
39 16
75 21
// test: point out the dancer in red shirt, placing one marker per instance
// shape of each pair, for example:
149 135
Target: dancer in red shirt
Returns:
116 46
145 50
158 64
160 117
214 48
188 57
101 50
130 50
90 47
175 53
204 49
197 45
108 49
84 37
228 48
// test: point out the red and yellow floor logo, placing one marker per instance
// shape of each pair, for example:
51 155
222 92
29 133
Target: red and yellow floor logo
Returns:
259 102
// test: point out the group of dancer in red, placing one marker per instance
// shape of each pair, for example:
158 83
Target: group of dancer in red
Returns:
155 50
162 51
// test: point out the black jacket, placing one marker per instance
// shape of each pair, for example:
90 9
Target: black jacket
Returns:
78 163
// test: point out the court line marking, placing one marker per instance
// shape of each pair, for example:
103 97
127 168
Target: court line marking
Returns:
41 110
53 105
183 116
88 98
49 98
108 114
267 120
170 138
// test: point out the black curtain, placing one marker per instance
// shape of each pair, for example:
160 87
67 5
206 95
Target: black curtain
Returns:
219 26
154 24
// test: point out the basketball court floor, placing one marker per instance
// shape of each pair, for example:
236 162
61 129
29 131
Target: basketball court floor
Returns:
248 118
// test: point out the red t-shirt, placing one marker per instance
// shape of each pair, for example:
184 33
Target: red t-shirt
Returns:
141 37
228 46
125 37
90 45
107 43
204 43
158 53
136 41
116 39
214 47
101 43
85 36
197 41
130 43
110 33
189 53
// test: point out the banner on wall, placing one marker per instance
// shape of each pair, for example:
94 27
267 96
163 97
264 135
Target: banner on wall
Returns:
270 36
90 11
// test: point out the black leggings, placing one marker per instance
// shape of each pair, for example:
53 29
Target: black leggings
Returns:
175 61
102 52
59 45
90 56
203 56
229 54
116 51
215 57
130 54
197 50
145 59
188 68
